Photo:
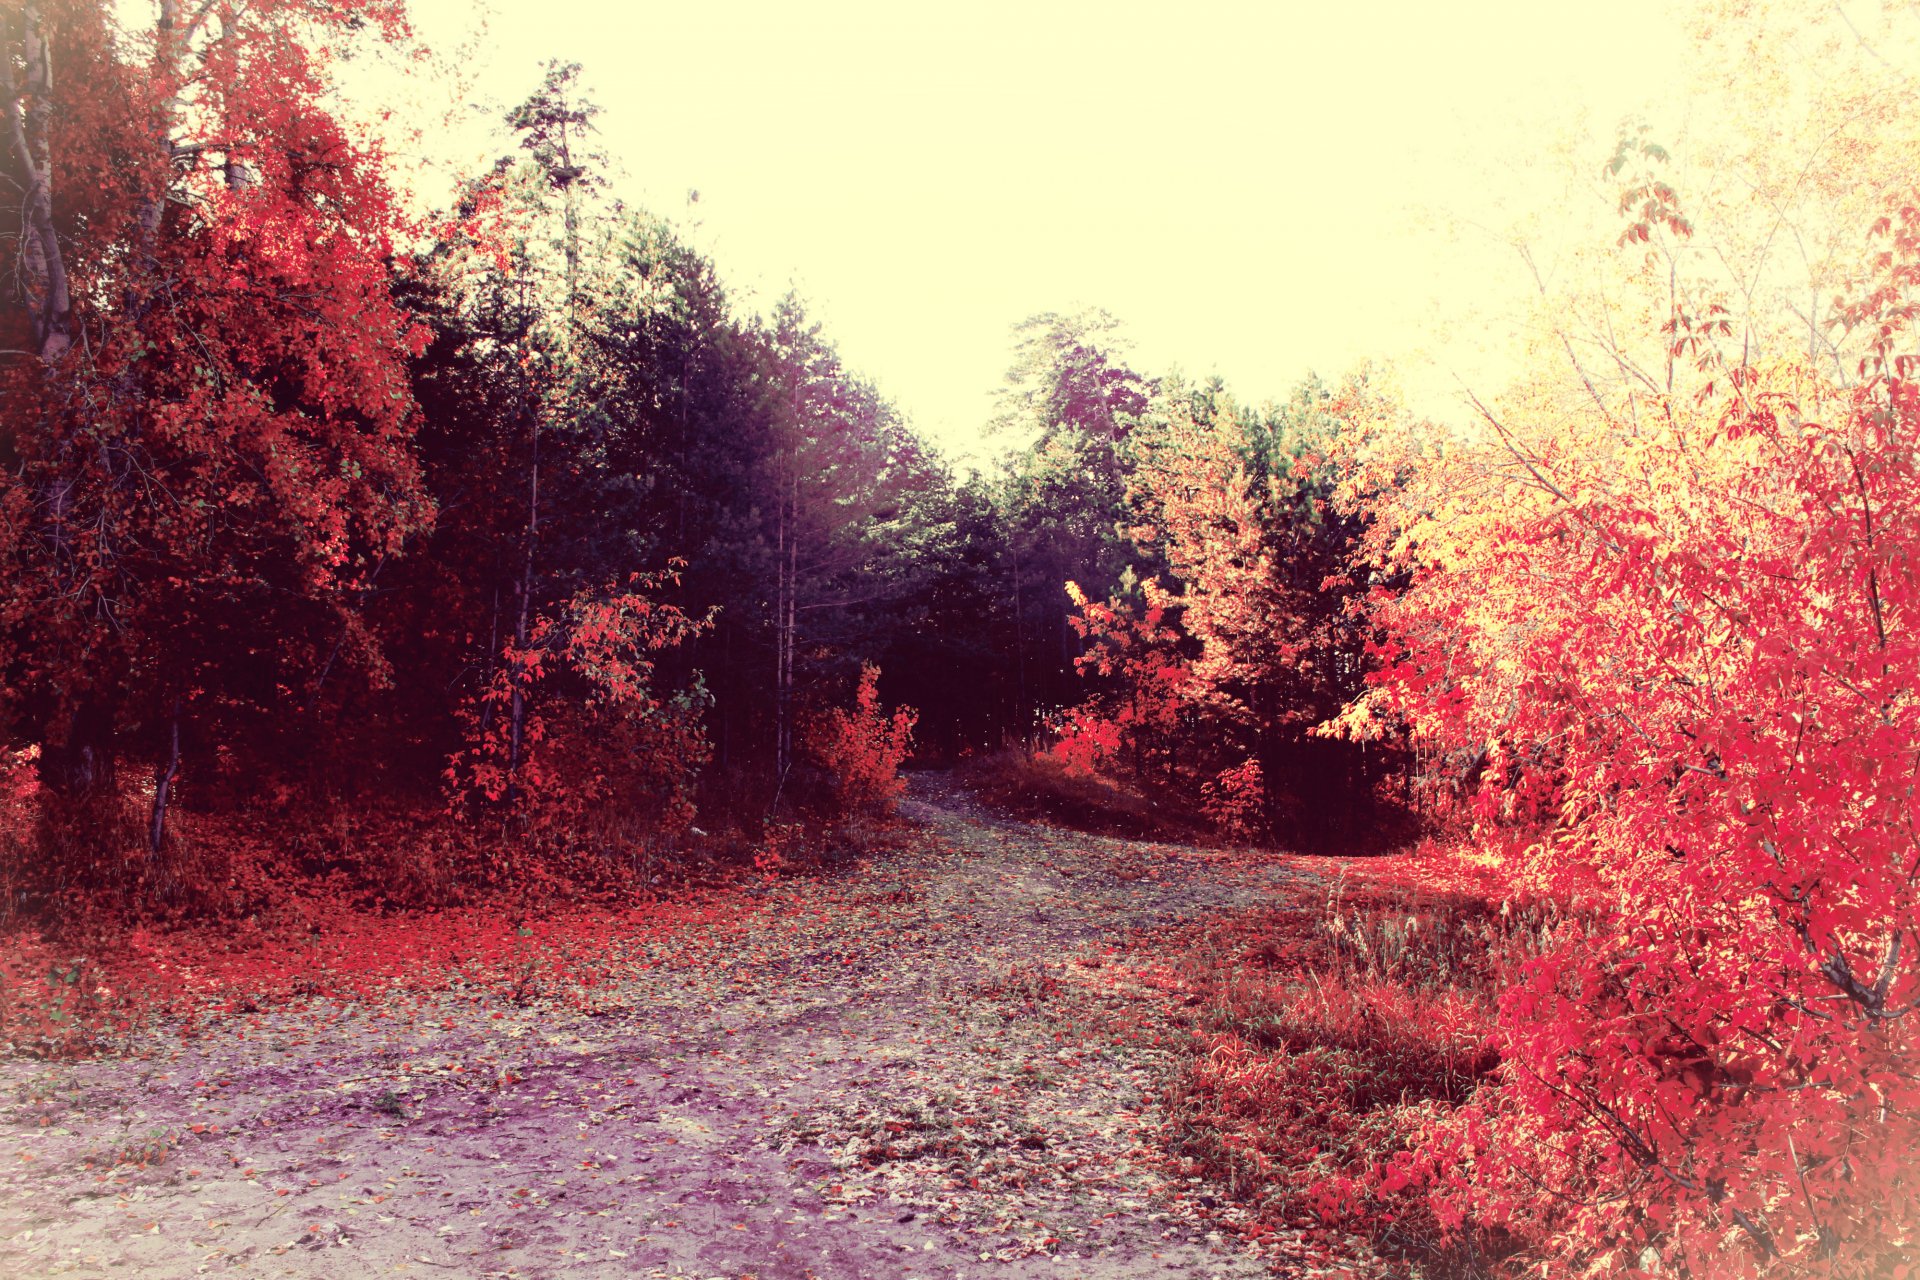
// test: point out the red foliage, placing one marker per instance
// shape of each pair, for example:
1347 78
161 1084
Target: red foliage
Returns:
211 473
19 803
1084 741
1142 681
1680 666
1328 1048
310 948
861 748
1235 800
52 1004
616 737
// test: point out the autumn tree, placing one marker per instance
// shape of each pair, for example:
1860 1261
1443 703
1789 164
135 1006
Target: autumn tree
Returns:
1219 669
1069 405
209 412
1658 627
557 616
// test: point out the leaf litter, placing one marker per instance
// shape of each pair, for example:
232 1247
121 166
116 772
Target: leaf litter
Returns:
938 1063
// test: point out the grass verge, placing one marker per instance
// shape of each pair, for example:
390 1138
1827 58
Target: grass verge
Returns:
1329 1044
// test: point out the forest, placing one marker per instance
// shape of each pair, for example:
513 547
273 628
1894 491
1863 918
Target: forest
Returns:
1350 842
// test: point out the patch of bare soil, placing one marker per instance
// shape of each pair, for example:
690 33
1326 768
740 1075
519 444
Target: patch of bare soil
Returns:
938 1064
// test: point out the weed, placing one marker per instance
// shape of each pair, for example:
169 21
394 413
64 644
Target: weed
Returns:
141 1153
388 1103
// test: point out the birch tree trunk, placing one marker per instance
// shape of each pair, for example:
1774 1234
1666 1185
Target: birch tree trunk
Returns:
42 269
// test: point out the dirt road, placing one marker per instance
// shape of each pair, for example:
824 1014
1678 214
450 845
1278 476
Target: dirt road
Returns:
937 1064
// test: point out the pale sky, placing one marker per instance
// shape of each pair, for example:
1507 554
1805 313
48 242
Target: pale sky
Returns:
1253 190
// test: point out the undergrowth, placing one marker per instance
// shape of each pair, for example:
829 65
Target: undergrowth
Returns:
236 916
1327 1043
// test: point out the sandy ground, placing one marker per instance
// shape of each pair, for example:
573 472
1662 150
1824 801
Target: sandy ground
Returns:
943 1069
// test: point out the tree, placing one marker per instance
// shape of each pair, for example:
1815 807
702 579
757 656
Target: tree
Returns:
213 422
1658 623
837 471
1072 404
1256 636
949 628
560 603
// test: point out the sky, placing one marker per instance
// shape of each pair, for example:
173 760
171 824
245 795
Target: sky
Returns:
1254 190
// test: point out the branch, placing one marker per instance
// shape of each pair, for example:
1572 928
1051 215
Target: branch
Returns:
1526 256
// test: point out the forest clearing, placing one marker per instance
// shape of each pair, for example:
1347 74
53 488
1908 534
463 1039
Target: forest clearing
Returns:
523 754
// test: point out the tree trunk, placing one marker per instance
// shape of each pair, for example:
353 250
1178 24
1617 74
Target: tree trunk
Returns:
785 616
77 759
169 49
493 658
163 787
780 647
517 706
42 269
786 544
1022 715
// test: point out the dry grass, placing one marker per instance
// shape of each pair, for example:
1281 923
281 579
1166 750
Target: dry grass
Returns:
1328 1039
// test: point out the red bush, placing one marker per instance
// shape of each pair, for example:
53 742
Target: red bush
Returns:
1677 669
556 758
1235 800
861 748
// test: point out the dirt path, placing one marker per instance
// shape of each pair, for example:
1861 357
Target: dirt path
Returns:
922 1068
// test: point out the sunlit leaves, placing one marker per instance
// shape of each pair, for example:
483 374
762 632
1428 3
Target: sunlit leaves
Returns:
1679 658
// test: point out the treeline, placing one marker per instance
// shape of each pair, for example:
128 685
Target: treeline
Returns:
505 526
509 526
1220 621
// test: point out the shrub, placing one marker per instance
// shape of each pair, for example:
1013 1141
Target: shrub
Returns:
1679 665
861 748
1235 801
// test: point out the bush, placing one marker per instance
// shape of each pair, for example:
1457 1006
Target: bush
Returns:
1332 1055
861 749
1236 800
